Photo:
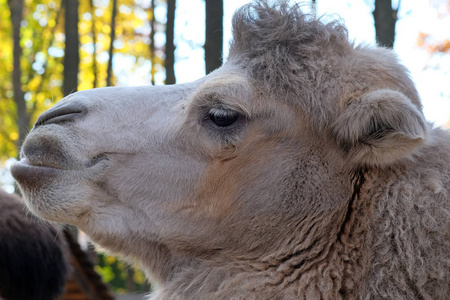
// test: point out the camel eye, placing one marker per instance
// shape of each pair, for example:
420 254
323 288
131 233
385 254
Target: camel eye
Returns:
222 117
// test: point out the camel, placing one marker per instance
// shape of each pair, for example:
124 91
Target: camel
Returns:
303 168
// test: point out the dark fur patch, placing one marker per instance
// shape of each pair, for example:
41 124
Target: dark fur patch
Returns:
32 264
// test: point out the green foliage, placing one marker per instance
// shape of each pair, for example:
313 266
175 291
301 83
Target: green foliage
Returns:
119 275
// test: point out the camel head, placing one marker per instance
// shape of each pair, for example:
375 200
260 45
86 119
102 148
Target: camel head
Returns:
253 162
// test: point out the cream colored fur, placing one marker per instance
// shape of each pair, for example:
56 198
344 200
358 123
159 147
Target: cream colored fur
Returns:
327 183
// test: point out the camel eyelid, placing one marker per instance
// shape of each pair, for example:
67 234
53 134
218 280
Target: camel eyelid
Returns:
223 112
222 121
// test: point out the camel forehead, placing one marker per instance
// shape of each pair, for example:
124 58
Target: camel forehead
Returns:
226 76
226 86
232 86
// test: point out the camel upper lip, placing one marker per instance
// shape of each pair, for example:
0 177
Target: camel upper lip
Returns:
33 176
42 159
53 164
37 174
41 163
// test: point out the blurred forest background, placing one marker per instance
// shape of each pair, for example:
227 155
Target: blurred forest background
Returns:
51 48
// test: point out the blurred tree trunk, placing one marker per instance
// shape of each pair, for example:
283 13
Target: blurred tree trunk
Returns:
130 285
111 43
94 44
152 41
45 67
170 46
72 55
23 119
385 18
214 34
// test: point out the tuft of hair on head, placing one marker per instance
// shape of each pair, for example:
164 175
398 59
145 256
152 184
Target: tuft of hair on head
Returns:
287 52
261 25
265 31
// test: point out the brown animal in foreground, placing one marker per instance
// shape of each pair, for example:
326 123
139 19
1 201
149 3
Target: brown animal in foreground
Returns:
32 261
303 168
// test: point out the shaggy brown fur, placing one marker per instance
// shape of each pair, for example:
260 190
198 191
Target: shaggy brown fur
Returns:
32 263
303 168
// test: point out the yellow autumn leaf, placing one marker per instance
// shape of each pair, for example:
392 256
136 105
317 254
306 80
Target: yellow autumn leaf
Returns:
51 22
13 136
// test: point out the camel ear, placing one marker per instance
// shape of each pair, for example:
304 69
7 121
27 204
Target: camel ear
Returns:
380 128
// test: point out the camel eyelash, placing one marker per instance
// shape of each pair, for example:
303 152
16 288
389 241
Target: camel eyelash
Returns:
222 122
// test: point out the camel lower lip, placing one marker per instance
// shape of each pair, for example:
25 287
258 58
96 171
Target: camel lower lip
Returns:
32 176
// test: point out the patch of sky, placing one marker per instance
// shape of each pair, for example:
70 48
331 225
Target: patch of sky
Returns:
87 16
6 179
55 52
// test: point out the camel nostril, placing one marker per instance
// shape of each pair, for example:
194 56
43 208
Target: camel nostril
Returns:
68 112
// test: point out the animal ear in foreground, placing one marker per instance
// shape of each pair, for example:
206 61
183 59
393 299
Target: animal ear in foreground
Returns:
380 128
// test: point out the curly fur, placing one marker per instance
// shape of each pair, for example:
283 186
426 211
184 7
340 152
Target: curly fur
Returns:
410 236
32 263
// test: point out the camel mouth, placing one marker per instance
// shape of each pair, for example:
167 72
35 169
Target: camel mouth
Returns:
42 162
33 175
